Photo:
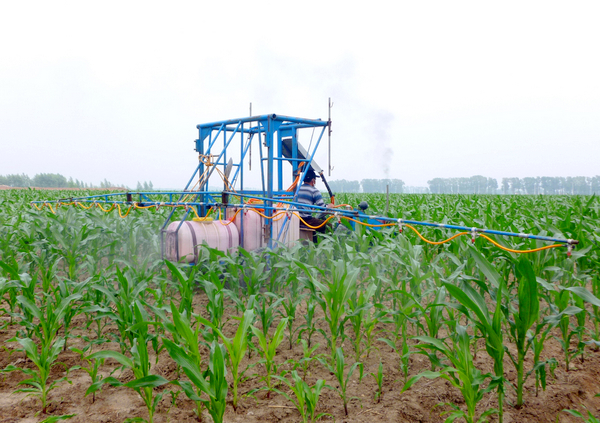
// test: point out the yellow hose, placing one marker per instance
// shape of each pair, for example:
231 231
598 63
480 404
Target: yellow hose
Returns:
112 206
436 242
128 210
280 215
547 247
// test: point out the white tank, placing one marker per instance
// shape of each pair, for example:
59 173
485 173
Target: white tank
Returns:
253 238
291 229
219 234
254 231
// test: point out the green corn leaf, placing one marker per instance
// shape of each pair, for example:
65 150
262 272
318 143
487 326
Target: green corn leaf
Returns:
150 381
189 366
127 362
584 294
53 419
529 305
485 266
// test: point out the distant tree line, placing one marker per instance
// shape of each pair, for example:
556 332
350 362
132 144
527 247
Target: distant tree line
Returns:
367 185
52 180
552 185
474 185
547 185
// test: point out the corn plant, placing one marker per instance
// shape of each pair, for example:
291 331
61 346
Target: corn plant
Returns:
92 366
211 382
379 380
489 326
268 350
254 272
309 327
44 360
185 284
290 304
461 373
432 313
307 357
332 297
363 320
144 382
8 294
305 397
595 313
559 298
185 334
122 299
522 319
236 348
589 419
70 241
49 317
19 280
214 289
266 307
339 371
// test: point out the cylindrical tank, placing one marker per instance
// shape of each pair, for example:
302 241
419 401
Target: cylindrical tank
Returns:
253 229
291 228
182 245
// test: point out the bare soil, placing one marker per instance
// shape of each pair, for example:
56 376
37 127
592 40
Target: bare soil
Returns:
567 390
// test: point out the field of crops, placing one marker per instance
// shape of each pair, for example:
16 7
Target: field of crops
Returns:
378 326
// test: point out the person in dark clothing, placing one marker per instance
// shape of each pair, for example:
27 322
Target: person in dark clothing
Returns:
308 194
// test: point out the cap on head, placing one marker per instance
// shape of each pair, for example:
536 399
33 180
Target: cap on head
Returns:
310 175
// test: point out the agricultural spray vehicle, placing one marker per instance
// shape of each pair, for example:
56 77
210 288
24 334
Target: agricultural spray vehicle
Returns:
234 215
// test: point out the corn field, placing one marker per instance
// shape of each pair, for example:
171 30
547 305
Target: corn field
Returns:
365 325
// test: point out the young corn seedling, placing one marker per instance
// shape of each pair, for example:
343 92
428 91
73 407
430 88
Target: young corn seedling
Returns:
268 349
522 319
121 299
92 365
589 419
185 284
18 281
8 295
214 289
363 321
595 312
332 296
184 334
307 357
338 369
559 298
49 317
290 304
305 397
489 326
254 272
308 327
211 382
44 360
144 382
266 308
236 348
379 380
461 373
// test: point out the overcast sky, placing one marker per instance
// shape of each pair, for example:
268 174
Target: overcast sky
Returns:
421 89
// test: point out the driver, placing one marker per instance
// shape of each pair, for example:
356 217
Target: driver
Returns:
308 194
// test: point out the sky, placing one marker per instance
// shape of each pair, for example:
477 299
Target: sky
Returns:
114 89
